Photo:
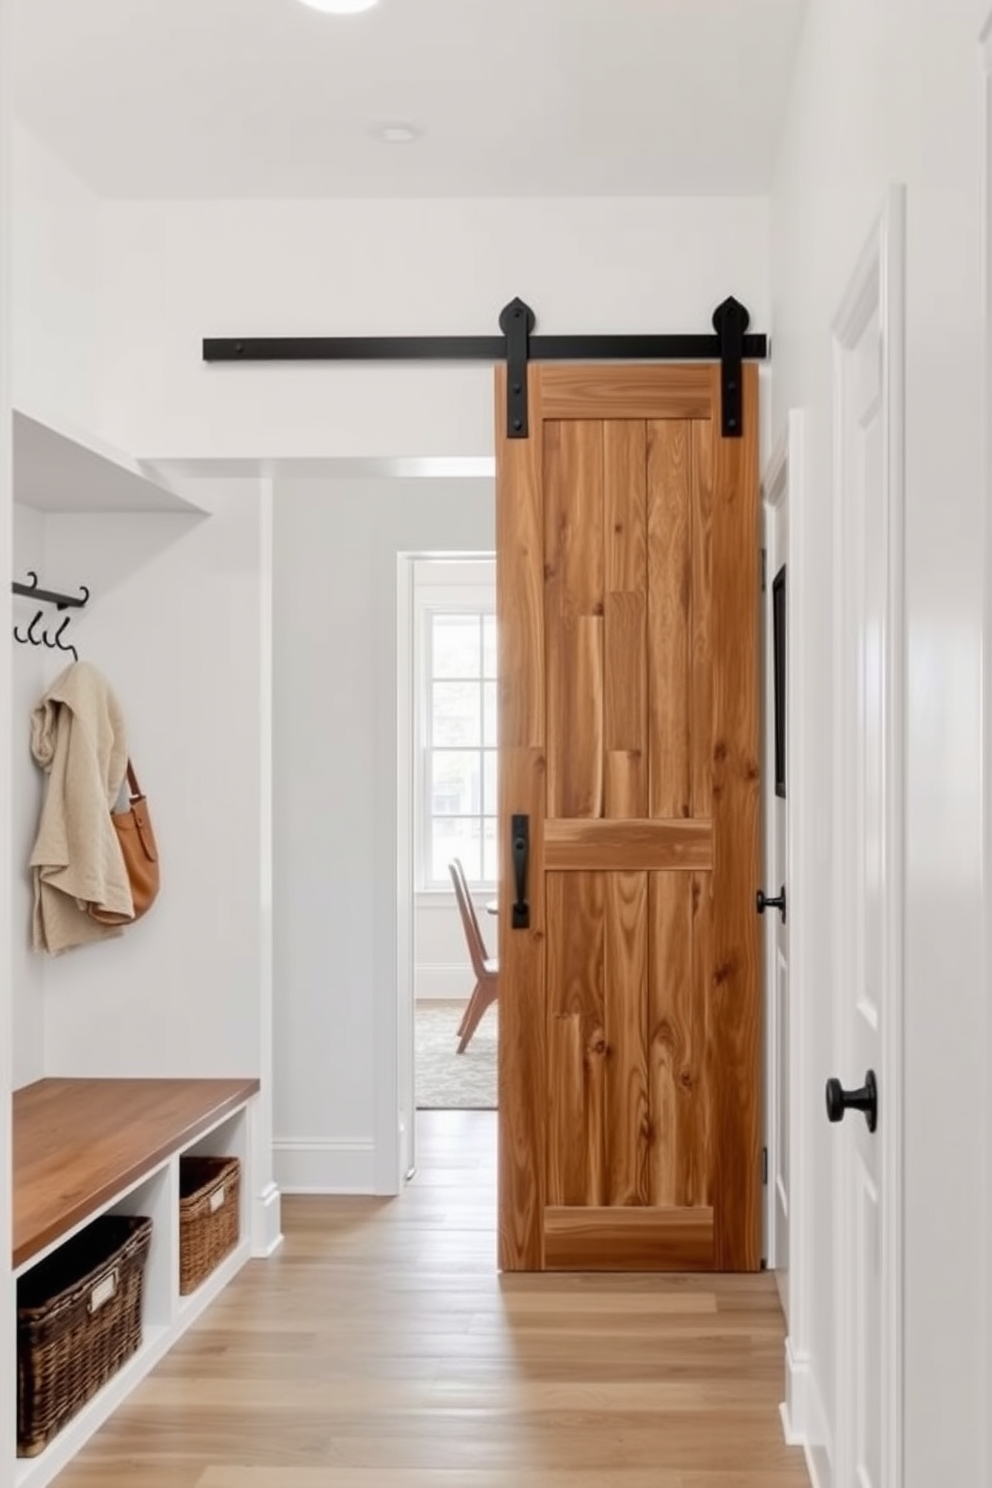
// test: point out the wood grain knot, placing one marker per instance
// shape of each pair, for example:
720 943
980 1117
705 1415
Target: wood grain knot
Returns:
752 772
685 1080
664 1034
725 971
719 752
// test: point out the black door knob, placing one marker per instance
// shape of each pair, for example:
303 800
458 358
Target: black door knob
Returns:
840 1100
763 901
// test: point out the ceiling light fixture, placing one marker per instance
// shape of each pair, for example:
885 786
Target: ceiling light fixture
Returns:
340 7
398 134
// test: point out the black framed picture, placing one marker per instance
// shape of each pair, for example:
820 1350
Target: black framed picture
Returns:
778 652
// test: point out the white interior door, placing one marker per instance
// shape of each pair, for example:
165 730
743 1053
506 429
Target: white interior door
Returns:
775 490
865 1090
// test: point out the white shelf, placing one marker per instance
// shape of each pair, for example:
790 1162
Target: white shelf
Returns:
157 1339
165 1314
35 1472
192 1305
60 469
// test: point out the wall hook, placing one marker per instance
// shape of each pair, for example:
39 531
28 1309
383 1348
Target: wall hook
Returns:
29 638
57 643
61 602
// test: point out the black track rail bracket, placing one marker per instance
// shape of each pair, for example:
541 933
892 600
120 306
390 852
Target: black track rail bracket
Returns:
730 321
516 321
731 346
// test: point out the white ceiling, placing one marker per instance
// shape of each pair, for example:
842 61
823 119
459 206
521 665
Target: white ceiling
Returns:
264 98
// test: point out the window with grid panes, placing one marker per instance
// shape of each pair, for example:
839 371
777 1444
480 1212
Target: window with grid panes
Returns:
459 746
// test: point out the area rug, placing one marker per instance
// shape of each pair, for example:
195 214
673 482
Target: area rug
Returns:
446 1080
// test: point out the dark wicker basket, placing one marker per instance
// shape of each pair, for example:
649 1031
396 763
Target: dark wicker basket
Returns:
78 1320
209 1208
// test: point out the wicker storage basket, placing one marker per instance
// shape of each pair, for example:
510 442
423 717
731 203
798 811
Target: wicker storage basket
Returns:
78 1320
209 1207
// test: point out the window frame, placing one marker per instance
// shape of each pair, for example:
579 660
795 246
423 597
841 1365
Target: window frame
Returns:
444 587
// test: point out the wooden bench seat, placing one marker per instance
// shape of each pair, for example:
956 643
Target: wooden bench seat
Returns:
77 1143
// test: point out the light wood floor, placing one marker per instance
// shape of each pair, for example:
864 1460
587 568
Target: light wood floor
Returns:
379 1349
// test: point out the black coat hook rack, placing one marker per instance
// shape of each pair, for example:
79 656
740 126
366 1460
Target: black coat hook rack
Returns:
61 602
48 596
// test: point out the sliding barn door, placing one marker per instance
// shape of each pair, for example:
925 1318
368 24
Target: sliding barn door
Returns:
628 607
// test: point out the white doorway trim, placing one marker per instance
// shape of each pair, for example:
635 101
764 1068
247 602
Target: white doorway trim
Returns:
8 1375
803 1415
775 498
877 287
783 482
396 1105
405 1113
985 40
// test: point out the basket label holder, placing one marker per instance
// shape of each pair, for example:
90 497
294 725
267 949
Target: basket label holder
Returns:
104 1291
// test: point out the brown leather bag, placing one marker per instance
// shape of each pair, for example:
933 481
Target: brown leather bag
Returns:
140 851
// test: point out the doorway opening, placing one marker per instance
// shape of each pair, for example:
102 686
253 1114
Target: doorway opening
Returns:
447 743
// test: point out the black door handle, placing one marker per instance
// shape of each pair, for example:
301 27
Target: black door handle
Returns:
840 1100
763 902
520 851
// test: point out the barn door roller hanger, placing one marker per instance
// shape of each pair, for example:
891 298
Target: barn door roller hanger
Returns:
731 346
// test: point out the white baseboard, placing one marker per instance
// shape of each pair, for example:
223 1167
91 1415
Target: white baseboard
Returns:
804 1420
818 1466
266 1221
318 1166
442 981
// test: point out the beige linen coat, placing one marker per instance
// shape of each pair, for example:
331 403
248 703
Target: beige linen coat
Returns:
79 739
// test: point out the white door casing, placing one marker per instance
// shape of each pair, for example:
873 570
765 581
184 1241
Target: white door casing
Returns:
789 835
404 1155
775 562
868 334
985 41
8 1363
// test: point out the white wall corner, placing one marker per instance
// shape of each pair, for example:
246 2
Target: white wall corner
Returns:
804 1419
985 41
8 1367
266 1221
794 1408
307 1165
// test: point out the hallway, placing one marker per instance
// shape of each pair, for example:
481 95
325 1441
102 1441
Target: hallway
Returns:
380 1347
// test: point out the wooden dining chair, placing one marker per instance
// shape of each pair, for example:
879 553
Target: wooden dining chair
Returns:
486 968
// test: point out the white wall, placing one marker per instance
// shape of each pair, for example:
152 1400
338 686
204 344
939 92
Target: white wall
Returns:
32 667
335 748
8 1366
885 93
173 622
57 310
176 272
442 967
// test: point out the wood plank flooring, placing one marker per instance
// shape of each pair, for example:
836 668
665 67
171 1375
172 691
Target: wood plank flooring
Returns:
380 1347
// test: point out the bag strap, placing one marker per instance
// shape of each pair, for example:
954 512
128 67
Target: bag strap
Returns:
132 781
